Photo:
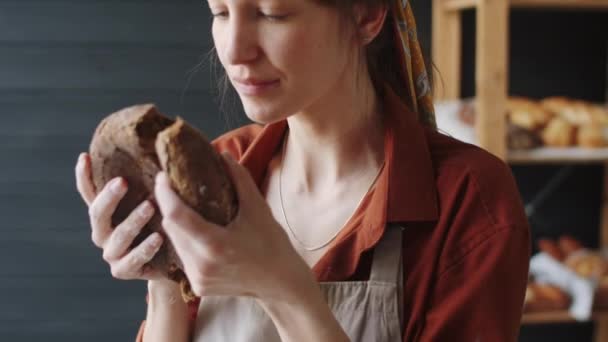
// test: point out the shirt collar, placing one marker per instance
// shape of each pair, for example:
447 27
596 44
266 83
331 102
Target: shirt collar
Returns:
405 192
411 194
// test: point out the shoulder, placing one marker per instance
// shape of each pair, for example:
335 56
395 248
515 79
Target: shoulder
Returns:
474 186
237 141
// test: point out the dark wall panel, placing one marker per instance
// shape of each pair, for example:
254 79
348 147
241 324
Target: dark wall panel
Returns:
133 22
105 67
64 65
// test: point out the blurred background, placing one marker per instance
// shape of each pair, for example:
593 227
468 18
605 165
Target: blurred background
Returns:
65 64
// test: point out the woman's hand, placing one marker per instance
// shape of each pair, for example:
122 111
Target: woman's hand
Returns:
251 256
125 263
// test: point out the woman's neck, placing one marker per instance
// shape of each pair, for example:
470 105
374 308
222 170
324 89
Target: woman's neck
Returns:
339 141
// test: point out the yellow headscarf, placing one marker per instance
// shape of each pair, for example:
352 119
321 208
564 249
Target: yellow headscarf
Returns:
412 62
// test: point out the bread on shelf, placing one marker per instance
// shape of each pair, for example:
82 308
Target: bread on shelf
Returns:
545 297
559 133
526 113
585 262
577 112
554 121
592 136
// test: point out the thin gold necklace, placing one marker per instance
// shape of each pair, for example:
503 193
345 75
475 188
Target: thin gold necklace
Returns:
333 237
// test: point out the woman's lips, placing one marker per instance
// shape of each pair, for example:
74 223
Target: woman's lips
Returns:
255 88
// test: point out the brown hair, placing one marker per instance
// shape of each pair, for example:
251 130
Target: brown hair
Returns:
381 55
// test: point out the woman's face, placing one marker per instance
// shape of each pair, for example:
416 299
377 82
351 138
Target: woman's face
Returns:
281 56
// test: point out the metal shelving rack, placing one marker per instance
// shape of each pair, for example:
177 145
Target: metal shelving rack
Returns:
491 91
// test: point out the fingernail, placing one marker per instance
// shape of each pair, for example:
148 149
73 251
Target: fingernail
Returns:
146 209
117 186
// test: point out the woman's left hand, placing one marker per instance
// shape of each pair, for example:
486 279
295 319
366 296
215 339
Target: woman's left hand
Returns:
251 256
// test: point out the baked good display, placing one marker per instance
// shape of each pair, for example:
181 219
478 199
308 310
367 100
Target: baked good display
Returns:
555 121
590 121
587 263
577 112
136 143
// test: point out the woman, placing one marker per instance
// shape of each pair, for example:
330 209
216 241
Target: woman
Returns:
358 220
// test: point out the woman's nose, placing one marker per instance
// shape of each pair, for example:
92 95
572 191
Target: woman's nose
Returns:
242 46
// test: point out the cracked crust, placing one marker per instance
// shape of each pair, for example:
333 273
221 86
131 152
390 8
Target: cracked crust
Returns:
136 143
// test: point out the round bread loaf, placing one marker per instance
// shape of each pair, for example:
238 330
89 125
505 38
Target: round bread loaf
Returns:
136 143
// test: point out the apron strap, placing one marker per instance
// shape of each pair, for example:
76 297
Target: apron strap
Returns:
386 263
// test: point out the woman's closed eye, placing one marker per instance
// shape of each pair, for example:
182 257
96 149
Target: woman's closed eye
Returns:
272 17
269 16
220 14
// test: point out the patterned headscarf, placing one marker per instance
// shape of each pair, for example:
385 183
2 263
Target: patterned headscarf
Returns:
412 62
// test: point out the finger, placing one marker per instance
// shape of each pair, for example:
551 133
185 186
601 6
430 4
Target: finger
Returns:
84 184
241 178
123 235
102 209
131 266
180 221
149 273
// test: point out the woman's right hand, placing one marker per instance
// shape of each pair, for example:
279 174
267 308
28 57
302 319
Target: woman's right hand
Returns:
125 263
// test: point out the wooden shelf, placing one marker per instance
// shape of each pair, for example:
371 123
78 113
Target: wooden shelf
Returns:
555 317
491 91
558 155
457 5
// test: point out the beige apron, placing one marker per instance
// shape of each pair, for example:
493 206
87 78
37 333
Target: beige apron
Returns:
367 310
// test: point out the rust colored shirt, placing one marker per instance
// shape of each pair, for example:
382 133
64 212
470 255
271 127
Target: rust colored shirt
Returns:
466 244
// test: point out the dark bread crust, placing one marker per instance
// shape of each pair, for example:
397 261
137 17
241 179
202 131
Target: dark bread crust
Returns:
202 183
125 144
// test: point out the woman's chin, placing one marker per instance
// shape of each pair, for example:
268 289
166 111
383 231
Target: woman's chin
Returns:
263 116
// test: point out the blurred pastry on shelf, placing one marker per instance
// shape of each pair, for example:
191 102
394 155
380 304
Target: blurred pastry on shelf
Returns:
555 121
592 136
577 112
569 244
585 262
524 120
527 113
559 133
589 119
519 138
552 249
588 264
545 297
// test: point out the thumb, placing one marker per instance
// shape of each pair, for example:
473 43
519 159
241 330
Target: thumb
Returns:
241 178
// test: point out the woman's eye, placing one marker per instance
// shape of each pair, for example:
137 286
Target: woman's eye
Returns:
219 14
272 17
